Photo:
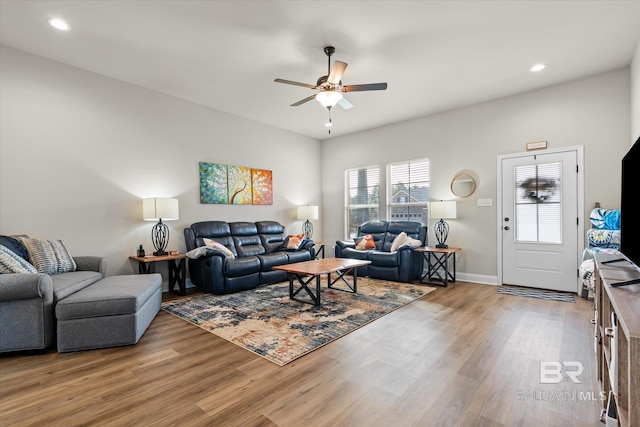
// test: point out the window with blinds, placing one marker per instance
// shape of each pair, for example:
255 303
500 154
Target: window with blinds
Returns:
408 190
362 186
538 204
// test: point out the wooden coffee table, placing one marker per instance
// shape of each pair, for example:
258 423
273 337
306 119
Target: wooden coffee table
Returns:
305 272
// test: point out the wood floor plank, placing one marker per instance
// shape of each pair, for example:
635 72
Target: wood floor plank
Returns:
460 356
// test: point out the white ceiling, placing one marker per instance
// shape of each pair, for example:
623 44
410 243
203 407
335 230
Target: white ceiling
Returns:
434 55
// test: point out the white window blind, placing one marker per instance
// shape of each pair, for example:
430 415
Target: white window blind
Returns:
408 190
361 202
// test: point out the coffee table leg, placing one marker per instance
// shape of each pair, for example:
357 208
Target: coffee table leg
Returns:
290 285
355 280
304 284
317 299
341 275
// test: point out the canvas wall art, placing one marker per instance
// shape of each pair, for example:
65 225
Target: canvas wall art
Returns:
235 185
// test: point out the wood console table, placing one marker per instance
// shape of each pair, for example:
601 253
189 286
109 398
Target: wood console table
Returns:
177 269
623 304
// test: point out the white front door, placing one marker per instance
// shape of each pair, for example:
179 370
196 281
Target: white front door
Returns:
539 220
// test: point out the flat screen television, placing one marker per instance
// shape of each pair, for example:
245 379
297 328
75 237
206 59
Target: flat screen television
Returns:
629 206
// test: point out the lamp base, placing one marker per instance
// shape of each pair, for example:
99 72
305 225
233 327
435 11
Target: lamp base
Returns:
160 238
441 229
307 229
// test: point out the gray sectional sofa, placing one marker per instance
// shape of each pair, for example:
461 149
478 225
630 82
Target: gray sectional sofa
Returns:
77 310
27 302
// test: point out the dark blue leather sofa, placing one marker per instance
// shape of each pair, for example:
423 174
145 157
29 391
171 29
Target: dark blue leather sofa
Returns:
403 265
257 247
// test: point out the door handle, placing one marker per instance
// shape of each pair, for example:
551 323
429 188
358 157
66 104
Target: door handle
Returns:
506 228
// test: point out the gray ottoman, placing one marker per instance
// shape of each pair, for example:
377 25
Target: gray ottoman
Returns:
112 312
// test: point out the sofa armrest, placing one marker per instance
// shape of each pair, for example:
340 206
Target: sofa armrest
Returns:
91 263
207 272
311 247
343 244
346 243
19 286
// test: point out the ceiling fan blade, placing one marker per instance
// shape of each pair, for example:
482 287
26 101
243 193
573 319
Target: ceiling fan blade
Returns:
344 103
290 82
370 86
302 101
336 72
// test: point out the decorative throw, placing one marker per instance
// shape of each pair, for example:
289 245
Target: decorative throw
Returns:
403 240
49 256
603 238
411 242
606 219
10 262
220 247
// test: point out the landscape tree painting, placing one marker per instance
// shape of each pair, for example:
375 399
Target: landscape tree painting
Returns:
213 183
262 189
239 185
235 185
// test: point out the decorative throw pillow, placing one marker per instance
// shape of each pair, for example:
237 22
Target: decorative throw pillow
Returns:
367 242
294 242
398 241
15 245
219 246
49 256
10 262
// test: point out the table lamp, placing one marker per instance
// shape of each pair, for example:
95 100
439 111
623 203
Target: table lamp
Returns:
442 209
307 212
157 209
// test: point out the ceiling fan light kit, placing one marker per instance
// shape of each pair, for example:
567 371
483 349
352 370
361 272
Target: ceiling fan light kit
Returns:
330 86
328 99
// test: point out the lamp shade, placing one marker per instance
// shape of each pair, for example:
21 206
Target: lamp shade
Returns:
307 212
154 209
442 209
328 98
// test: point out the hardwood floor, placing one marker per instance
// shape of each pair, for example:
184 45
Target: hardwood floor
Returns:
459 356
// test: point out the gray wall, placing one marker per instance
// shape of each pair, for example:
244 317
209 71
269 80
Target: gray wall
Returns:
592 112
78 152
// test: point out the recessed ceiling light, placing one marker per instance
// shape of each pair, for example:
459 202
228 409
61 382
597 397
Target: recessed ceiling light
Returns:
59 24
537 67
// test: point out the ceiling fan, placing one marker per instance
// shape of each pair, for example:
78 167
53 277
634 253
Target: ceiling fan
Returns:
330 87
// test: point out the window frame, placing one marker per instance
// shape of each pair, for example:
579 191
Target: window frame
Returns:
348 206
390 194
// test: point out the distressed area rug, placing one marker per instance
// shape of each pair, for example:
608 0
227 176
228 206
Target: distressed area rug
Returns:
535 293
265 321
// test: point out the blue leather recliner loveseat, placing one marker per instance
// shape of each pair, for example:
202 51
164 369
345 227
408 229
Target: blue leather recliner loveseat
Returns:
402 265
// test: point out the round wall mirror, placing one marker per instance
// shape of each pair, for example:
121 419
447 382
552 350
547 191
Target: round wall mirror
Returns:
463 185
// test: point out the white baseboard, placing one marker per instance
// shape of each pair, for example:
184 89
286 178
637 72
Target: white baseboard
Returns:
477 278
